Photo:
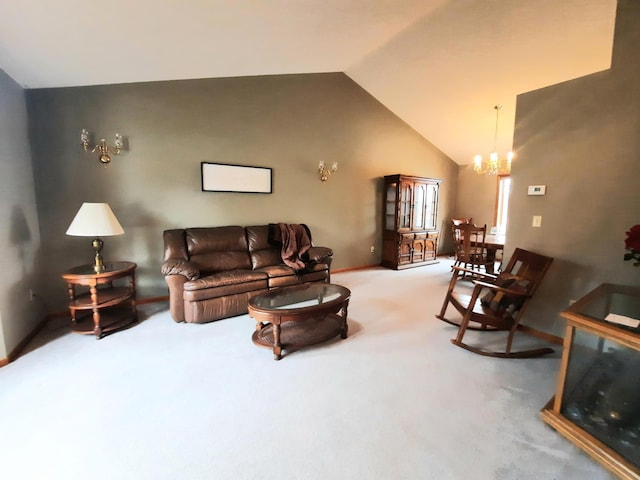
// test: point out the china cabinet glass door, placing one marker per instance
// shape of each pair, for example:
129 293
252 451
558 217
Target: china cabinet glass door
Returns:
406 195
431 206
419 207
390 207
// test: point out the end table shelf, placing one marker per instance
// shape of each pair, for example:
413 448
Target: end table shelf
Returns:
106 297
110 307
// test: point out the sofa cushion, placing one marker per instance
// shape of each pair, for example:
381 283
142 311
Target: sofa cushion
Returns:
217 249
229 277
282 275
281 270
319 276
224 283
275 271
262 252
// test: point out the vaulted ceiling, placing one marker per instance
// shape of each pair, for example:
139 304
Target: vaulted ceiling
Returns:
440 65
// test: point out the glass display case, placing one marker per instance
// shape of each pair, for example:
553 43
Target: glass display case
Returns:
597 399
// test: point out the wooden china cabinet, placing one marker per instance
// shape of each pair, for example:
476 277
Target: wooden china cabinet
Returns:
410 235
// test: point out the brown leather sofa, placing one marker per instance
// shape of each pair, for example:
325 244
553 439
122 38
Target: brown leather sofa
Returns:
213 272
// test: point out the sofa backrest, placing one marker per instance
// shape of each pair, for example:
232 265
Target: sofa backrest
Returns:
174 245
216 249
262 252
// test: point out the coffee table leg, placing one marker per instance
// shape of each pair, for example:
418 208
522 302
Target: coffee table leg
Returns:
345 326
277 348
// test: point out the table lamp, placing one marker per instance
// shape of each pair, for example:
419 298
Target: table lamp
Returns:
95 220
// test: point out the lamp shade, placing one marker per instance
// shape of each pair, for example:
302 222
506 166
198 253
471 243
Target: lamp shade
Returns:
95 220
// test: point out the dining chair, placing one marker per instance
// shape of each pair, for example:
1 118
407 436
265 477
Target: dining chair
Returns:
454 233
497 302
471 250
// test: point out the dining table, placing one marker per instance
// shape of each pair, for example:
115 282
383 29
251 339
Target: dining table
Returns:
493 243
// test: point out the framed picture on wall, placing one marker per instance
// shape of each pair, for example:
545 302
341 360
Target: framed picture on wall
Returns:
221 177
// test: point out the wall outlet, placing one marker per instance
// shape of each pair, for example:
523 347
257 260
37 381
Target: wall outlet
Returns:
32 295
373 249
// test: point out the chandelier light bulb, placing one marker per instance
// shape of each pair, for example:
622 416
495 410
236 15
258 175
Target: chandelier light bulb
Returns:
494 165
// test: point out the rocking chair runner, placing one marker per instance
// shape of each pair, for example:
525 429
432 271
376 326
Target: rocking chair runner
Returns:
504 301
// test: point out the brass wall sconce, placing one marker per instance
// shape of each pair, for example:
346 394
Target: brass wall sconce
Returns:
326 172
102 148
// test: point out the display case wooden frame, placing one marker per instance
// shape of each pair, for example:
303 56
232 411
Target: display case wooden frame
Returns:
586 317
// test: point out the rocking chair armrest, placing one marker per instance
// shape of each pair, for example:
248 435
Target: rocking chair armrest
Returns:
480 284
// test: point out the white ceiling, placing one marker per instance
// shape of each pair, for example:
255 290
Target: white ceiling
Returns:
440 65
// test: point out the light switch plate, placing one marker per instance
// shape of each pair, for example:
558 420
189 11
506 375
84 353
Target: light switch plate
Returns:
537 221
537 190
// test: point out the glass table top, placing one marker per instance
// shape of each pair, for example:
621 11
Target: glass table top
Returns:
109 267
618 305
300 296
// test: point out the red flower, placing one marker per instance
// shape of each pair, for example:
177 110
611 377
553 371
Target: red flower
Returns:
632 243
633 239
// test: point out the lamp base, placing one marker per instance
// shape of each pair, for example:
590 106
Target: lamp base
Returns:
98 265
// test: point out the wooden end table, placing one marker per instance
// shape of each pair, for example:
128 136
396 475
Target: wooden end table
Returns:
111 307
299 316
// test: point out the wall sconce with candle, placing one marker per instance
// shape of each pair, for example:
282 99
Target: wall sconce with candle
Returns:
102 148
326 172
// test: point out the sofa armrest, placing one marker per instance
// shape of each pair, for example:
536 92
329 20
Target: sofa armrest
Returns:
320 255
180 267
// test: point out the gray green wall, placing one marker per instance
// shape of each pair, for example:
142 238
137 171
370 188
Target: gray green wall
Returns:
286 122
582 140
20 238
476 196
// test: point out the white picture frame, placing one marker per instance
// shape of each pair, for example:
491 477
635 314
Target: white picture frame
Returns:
222 177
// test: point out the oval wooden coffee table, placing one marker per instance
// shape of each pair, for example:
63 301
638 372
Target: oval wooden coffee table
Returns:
290 318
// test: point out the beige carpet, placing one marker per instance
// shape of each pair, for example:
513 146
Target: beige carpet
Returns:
395 400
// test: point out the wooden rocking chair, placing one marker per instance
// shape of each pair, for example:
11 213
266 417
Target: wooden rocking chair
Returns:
503 301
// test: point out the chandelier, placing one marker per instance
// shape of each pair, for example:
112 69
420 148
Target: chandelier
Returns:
495 165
